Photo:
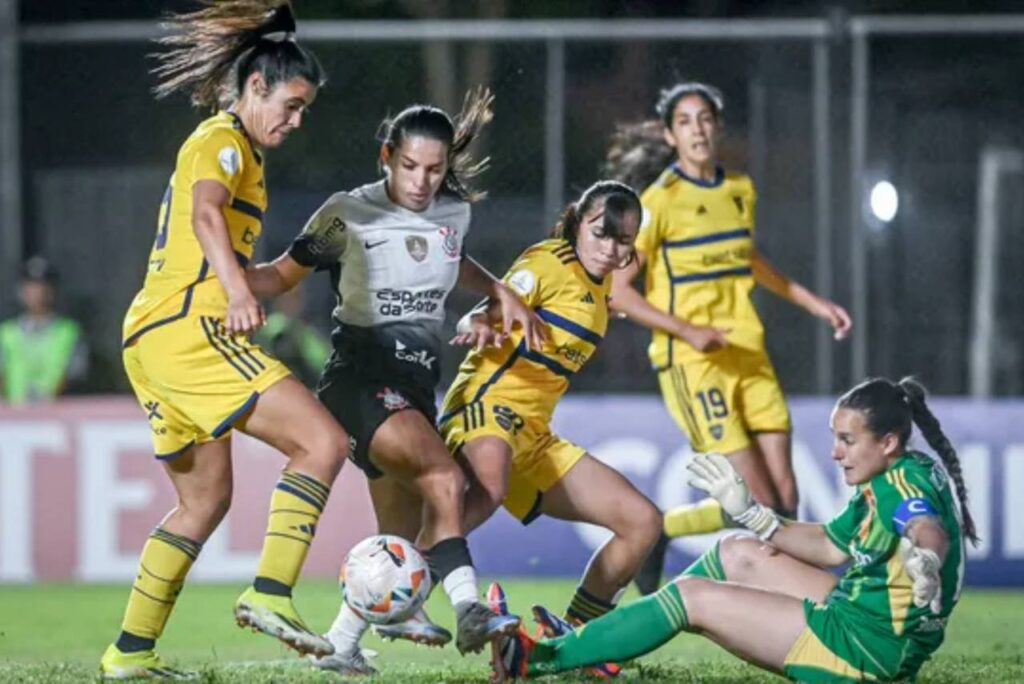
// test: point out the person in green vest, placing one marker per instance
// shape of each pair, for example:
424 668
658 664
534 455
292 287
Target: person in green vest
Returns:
296 343
40 351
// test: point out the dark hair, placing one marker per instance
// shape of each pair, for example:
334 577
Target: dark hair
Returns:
434 123
896 407
619 199
38 269
215 49
638 153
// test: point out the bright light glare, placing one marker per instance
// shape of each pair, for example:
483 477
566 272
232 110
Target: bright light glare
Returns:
885 201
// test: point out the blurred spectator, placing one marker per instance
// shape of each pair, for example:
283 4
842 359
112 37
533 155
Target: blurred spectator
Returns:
294 341
40 351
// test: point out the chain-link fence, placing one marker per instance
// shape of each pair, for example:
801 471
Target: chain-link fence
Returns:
96 151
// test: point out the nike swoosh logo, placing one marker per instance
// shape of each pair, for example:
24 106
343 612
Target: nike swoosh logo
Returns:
370 245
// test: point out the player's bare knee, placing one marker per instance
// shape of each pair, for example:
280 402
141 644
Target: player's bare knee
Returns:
204 510
323 451
644 523
442 484
742 555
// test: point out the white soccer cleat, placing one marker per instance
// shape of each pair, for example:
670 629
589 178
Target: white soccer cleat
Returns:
353 663
478 625
418 629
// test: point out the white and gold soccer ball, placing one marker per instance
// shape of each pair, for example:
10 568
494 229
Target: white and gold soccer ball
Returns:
385 579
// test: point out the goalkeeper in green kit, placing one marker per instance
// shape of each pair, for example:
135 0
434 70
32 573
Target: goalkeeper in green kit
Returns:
769 600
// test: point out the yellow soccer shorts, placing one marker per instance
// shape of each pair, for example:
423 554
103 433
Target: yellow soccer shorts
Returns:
194 381
539 457
721 399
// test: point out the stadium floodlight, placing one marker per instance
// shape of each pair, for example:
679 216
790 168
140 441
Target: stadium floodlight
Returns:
884 201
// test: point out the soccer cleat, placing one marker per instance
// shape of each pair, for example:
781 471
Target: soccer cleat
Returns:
353 663
115 664
277 617
418 629
648 577
478 624
510 656
554 626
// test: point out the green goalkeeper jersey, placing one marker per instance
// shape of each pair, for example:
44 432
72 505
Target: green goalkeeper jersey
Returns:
876 586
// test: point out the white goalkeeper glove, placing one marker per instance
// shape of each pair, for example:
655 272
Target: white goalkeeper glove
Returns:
923 566
715 475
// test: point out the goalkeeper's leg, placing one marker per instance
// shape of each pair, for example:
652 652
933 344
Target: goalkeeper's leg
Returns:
757 625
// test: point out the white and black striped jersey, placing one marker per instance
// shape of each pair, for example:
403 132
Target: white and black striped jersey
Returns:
392 270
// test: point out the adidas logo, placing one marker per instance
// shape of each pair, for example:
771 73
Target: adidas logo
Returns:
701 210
587 298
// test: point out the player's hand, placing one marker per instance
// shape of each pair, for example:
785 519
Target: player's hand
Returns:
245 315
478 333
837 317
714 474
704 338
515 311
923 566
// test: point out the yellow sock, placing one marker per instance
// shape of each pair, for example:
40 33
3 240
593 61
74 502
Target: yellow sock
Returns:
700 518
166 559
295 507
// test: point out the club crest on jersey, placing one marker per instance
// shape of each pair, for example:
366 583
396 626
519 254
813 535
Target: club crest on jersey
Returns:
392 400
417 247
716 431
449 241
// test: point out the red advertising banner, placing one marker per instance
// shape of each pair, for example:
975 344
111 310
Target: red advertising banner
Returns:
80 491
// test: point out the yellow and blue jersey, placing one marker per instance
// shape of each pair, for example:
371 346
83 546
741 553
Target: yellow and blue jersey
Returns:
551 280
698 241
179 281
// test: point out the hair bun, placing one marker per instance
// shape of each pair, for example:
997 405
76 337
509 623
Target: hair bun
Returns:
280 24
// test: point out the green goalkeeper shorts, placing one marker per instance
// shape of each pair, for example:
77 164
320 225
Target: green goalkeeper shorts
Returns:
842 644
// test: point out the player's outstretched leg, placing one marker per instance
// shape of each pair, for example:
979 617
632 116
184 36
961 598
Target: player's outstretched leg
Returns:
266 606
291 420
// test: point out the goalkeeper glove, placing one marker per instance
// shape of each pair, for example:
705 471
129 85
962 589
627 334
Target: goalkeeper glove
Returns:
715 475
923 566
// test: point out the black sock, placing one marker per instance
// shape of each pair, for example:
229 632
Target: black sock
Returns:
130 643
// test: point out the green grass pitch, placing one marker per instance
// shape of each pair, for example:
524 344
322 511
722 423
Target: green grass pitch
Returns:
56 633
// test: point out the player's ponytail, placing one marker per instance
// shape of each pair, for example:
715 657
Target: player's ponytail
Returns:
638 153
619 200
457 134
213 51
890 407
932 432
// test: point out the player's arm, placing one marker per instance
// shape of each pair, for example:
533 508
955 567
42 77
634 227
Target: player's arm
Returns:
513 311
276 277
775 281
628 301
808 542
923 548
321 243
209 198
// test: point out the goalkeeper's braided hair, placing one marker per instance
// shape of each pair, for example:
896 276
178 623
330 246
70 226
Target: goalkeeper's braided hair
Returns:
890 407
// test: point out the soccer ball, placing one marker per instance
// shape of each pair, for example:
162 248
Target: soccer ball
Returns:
385 579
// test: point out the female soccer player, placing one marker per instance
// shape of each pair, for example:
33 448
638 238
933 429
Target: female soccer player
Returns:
772 604
394 250
697 243
186 347
497 413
